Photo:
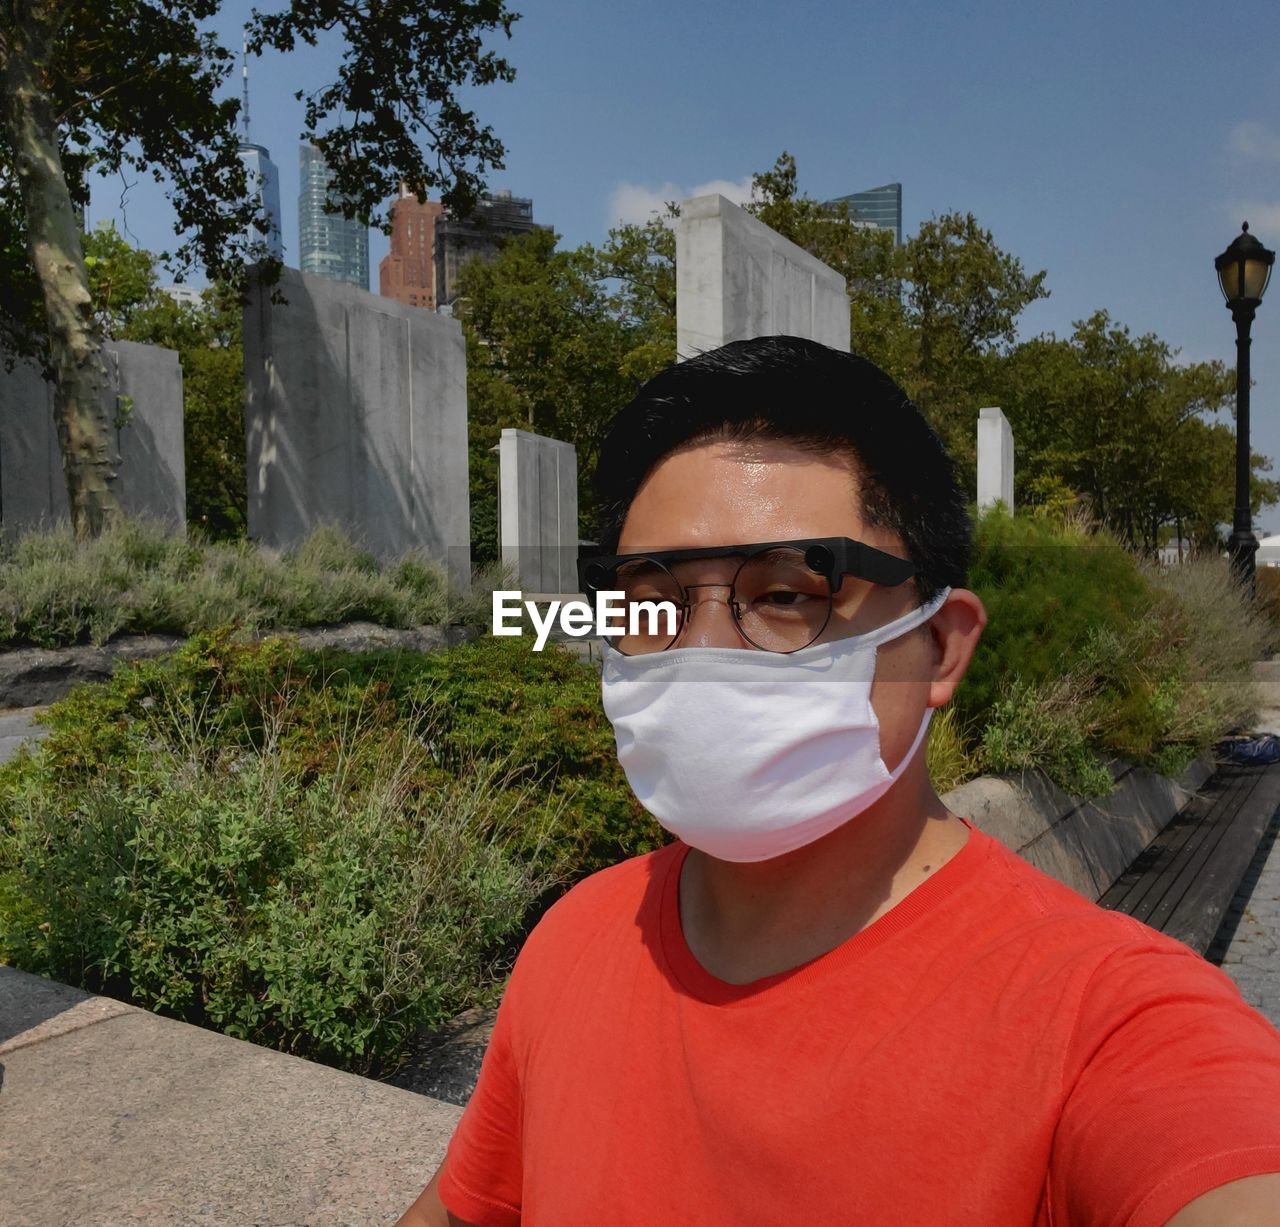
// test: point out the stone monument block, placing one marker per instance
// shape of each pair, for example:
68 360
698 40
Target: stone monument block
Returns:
995 459
144 392
356 415
538 510
737 279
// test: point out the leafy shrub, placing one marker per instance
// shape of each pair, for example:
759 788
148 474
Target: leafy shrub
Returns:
1091 655
137 579
227 841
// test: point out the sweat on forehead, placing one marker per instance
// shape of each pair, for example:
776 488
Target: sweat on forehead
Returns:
717 491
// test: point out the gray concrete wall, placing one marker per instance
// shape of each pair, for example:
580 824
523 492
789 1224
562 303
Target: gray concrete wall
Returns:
151 475
356 414
737 279
538 510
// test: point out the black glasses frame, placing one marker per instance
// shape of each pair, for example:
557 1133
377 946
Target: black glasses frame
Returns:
832 557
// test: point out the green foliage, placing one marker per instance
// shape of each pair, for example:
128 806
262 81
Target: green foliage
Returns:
131 307
137 580
557 342
1115 420
1044 586
951 761
936 313
230 838
539 711
1089 655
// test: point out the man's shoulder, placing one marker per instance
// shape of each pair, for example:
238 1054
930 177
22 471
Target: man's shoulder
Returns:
1028 903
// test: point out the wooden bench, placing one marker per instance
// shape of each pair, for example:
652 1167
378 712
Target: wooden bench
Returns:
1184 881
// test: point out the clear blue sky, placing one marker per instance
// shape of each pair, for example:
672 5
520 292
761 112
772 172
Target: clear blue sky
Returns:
1116 145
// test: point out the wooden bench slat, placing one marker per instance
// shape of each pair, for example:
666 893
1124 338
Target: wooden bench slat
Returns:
1183 882
1165 893
1131 887
1204 904
1217 833
1150 869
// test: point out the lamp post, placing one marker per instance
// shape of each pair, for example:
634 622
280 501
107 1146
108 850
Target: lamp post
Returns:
1243 272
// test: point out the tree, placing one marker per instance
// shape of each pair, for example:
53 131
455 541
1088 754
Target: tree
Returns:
1115 419
110 84
935 313
557 342
130 306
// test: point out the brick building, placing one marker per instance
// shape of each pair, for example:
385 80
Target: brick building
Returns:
429 249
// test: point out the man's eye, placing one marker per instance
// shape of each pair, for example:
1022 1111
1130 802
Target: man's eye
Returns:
783 597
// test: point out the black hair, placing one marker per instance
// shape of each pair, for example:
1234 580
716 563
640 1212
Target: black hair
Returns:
806 394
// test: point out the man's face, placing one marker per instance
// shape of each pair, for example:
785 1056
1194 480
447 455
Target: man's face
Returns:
720 493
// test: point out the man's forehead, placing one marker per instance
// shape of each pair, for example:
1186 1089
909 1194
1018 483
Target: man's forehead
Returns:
719 492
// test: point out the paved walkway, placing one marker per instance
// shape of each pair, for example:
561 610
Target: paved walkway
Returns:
115 1117
1248 945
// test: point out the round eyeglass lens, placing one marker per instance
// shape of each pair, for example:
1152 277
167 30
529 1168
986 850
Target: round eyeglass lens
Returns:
653 607
780 602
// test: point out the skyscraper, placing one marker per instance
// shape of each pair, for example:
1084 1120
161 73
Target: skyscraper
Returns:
878 206
330 245
263 182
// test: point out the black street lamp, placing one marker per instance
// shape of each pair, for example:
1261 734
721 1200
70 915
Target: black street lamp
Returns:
1243 272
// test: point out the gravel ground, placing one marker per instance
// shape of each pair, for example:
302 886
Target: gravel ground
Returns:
445 1065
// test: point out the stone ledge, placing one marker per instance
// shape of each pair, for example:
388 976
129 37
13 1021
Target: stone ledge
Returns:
1085 843
129 1118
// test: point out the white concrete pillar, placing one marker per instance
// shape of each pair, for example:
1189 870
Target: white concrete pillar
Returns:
538 510
737 279
995 459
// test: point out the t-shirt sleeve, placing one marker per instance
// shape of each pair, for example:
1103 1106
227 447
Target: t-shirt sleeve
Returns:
483 1172
1173 1088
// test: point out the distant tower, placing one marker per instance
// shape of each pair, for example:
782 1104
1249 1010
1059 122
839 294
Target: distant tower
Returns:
878 206
331 245
262 178
408 273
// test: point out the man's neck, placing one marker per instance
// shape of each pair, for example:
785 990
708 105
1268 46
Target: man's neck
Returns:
743 922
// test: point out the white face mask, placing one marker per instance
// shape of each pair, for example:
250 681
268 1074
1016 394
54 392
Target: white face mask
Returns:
748 755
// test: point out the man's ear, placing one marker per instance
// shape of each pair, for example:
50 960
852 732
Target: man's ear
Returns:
956 629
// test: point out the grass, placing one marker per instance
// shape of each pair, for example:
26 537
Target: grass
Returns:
55 591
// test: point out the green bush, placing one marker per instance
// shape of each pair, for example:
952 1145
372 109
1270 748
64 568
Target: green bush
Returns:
137 580
1091 655
227 840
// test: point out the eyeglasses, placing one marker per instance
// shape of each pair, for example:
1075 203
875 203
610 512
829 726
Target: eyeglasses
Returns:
780 596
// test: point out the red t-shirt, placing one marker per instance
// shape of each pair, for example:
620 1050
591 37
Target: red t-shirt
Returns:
994 1050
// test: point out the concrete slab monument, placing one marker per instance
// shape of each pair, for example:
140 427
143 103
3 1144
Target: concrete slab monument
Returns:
356 415
538 510
737 279
145 398
995 459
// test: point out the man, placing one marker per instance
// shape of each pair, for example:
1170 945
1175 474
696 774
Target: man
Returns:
831 1000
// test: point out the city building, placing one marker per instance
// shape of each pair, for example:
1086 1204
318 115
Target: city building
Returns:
329 244
429 248
263 182
878 206
184 295
407 274
478 237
